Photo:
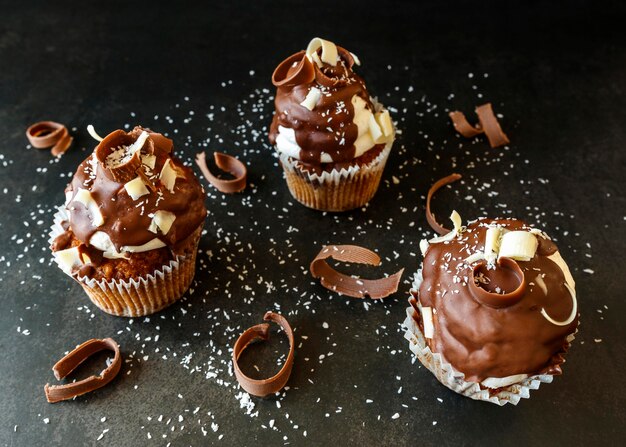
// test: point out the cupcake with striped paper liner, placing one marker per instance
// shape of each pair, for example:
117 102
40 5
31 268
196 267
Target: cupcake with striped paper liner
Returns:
129 230
333 139
493 309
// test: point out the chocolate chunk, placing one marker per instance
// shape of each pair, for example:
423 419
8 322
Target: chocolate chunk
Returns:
226 163
57 393
347 285
263 387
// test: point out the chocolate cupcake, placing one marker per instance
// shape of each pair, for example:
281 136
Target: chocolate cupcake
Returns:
130 227
493 309
332 138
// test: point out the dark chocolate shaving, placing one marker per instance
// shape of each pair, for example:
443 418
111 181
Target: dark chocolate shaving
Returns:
45 134
57 393
226 163
263 387
488 124
347 285
433 189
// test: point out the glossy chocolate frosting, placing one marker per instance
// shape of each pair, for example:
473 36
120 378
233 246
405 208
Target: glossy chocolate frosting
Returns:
494 327
329 127
127 220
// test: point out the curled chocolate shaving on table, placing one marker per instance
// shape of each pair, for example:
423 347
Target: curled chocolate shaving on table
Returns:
433 189
488 124
45 134
57 393
347 285
263 387
226 163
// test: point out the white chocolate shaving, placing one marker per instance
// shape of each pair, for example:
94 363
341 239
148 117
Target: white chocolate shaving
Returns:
356 58
572 315
424 246
84 196
329 51
518 245
542 284
384 121
137 145
68 259
149 160
427 319
492 243
136 188
150 245
499 382
311 99
168 176
375 131
458 229
478 256
93 133
162 220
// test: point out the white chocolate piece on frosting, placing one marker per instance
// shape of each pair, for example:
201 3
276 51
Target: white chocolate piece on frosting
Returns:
518 245
168 176
136 188
149 160
84 196
458 229
427 319
68 259
311 99
162 220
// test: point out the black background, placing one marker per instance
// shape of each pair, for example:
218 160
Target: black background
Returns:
200 72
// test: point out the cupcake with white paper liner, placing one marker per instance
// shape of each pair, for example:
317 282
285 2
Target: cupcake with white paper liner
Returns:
130 227
493 309
332 137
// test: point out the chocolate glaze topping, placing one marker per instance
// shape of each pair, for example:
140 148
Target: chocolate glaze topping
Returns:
329 127
126 221
488 321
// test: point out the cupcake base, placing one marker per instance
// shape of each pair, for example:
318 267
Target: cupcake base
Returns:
144 295
337 190
455 380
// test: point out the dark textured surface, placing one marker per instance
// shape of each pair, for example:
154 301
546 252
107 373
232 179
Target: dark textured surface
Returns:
555 73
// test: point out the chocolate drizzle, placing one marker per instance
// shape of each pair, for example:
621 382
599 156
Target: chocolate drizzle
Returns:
330 126
127 221
492 326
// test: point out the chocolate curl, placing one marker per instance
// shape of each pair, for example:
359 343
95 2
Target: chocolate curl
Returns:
488 124
45 134
122 173
327 81
347 285
226 163
302 74
57 393
433 189
263 387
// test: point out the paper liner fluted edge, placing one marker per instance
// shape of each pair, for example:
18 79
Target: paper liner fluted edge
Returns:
455 380
136 297
337 190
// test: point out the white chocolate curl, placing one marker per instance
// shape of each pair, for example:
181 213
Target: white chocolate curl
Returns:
93 133
518 245
168 176
329 51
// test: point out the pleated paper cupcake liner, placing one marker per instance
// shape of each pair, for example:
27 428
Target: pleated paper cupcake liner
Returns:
337 190
455 380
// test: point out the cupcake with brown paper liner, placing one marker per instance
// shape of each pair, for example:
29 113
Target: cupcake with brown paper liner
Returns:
493 309
333 139
129 230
